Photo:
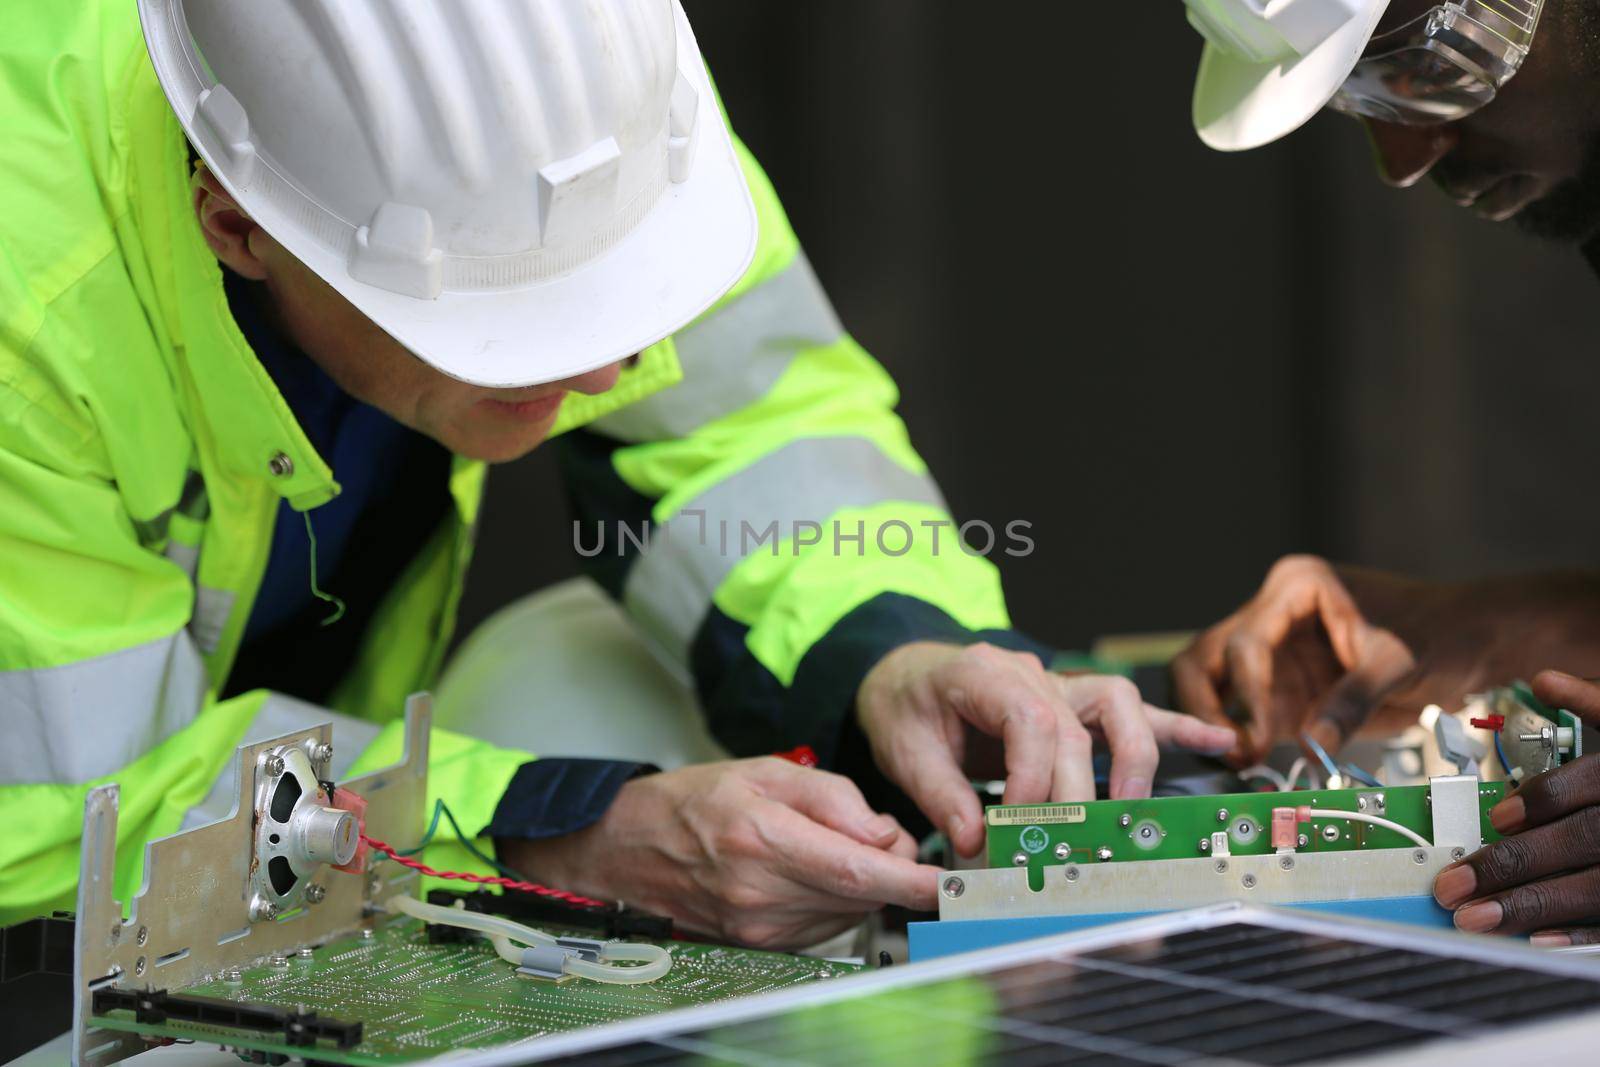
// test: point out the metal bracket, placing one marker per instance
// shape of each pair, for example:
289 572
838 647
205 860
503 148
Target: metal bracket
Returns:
192 917
1267 878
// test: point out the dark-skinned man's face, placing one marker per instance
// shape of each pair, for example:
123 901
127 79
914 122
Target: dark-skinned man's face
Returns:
1531 155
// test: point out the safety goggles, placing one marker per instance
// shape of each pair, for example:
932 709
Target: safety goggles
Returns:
1442 66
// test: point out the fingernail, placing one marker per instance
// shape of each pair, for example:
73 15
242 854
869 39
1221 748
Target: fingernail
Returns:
1508 815
1455 884
957 824
1549 940
878 828
1133 788
1479 918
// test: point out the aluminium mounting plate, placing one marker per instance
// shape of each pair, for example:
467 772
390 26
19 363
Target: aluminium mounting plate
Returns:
191 918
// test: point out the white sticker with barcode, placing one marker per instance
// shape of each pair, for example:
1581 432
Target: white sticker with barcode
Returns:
1036 814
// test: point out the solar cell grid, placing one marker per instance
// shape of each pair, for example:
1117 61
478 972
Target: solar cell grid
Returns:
1233 994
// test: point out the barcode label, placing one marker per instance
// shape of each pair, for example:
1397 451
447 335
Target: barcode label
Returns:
1036 815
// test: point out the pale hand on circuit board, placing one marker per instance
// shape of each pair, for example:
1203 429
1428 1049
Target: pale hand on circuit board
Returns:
938 715
1543 878
763 852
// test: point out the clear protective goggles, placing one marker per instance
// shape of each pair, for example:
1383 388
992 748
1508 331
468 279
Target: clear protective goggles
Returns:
1443 65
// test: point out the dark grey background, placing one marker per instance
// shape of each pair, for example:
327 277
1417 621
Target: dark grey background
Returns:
1178 365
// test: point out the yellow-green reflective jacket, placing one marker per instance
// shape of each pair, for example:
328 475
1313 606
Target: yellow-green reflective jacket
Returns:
144 453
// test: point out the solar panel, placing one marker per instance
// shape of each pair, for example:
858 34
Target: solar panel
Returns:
1227 985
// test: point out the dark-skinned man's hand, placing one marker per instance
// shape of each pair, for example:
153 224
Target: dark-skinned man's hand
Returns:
1325 650
1543 879
1299 655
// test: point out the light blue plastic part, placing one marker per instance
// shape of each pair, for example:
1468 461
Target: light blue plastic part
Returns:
931 940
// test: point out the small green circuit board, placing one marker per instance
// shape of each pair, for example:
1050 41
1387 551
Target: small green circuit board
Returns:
417 999
1165 828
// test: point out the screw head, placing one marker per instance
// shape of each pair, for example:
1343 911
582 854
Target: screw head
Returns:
954 887
1419 856
279 961
1286 863
275 765
1221 866
1248 881
322 753
138 966
143 935
315 893
1457 853
263 910
1063 851
1072 874
280 465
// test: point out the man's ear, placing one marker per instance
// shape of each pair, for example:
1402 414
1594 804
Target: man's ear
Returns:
226 227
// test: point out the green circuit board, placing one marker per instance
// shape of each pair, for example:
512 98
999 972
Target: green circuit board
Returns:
416 999
1164 828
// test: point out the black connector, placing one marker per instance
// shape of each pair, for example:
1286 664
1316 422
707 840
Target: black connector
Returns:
610 921
35 982
299 1028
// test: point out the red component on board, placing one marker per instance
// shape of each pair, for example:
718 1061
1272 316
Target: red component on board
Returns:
1285 828
1491 722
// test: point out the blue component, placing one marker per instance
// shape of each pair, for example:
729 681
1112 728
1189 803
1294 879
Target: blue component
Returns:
931 940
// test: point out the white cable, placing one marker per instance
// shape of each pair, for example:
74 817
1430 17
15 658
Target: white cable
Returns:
468 920
1261 770
1361 816
1296 769
656 961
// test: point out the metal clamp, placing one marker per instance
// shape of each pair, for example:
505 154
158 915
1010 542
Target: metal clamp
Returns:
549 961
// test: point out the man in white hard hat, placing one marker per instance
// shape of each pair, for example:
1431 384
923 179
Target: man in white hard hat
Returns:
1495 100
247 249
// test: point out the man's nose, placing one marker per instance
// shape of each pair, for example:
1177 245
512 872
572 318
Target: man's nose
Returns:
1405 154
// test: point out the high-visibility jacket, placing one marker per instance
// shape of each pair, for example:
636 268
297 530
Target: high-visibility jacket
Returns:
144 453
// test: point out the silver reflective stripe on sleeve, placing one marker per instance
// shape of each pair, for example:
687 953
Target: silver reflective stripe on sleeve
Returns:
84 720
732 357
185 556
669 589
211 610
280 715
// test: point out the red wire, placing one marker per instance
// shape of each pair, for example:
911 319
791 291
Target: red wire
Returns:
483 879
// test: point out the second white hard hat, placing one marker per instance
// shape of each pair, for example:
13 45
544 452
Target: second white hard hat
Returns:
517 190
1269 65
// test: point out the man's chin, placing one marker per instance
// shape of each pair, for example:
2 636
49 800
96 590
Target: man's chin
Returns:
1569 213
496 448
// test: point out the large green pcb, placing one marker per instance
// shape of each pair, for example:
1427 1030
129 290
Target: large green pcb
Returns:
1163 828
417 999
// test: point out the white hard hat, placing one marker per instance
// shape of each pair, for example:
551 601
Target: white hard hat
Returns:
516 190
1269 65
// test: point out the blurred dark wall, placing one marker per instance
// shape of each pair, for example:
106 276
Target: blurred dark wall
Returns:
1178 365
